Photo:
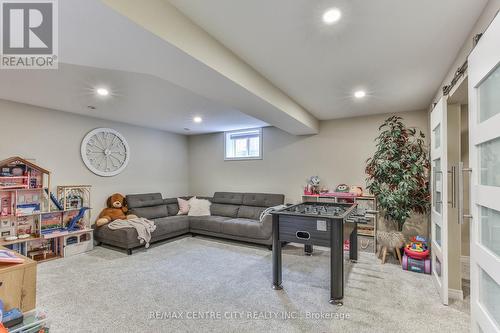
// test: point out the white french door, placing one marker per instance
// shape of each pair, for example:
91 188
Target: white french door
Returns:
439 196
484 145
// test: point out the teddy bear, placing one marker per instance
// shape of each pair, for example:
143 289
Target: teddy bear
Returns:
116 210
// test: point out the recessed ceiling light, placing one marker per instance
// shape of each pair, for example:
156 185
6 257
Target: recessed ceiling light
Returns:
360 94
102 92
332 15
197 119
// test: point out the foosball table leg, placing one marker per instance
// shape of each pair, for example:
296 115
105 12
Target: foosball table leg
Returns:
308 250
337 302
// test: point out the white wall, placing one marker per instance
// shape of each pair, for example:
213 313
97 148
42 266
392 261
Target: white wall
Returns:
158 159
337 154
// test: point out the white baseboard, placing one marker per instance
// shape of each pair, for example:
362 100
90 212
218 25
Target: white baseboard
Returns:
456 294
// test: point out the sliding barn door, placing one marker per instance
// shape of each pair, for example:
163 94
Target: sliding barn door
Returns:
484 145
439 196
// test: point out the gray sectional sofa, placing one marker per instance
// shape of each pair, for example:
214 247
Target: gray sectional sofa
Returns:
233 216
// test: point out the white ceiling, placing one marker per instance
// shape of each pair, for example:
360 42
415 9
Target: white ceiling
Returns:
398 51
139 99
147 76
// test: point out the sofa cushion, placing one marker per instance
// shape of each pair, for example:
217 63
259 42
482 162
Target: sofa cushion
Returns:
122 236
199 207
152 212
224 210
247 228
233 198
183 206
207 223
173 209
127 237
170 224
144 200
249 212
263 199
172 206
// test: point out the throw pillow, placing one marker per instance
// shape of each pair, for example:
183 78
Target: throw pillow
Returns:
183 206
199 207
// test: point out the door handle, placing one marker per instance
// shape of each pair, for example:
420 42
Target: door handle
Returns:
453 173
460 187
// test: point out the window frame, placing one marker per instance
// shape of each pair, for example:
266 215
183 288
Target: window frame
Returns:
261 143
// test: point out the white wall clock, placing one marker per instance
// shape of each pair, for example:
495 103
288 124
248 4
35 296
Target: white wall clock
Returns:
105 152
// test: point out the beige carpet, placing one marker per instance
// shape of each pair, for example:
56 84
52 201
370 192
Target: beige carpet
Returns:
207 285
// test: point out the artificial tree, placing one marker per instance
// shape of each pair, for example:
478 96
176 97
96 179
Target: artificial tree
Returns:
398 171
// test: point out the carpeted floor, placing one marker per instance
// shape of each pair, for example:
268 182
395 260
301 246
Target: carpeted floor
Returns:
208 285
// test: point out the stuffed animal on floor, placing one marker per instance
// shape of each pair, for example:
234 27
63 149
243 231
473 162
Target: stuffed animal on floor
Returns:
117 209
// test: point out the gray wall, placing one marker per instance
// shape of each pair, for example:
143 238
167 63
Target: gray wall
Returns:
337 154
158 159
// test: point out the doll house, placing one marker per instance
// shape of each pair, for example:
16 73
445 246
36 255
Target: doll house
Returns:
32 220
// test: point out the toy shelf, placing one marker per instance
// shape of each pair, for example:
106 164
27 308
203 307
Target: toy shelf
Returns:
41 213
65 233
14 177
367 233
48 257
14 187
17 241
22 189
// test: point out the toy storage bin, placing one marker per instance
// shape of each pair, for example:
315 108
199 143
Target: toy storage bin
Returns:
76 244
417 265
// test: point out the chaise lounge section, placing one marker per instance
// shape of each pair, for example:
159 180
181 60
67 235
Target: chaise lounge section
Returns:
233 216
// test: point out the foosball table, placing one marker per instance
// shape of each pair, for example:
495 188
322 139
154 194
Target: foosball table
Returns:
322 224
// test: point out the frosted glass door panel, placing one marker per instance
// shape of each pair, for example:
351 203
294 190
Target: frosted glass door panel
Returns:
490 230
489 159
489 96
438 186
489 296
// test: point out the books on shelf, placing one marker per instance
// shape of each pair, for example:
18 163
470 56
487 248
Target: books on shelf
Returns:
8 257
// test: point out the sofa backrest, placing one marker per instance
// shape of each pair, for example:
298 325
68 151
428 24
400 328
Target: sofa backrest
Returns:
263 199
172 206
255 203
148 205
243 205
230 198
229 204
226 204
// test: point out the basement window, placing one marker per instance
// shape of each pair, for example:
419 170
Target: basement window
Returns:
243 144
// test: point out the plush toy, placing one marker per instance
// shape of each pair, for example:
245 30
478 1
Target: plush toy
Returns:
117 209
342 188
358 190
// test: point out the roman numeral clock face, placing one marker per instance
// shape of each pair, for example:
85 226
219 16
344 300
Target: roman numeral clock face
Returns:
105 152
